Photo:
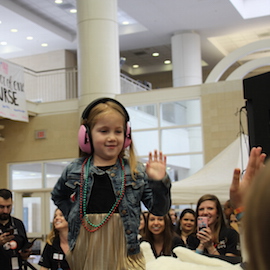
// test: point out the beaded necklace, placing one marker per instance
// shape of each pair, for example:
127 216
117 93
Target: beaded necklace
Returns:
83 197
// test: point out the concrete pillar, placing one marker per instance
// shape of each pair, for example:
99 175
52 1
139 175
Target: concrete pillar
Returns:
98 50
186 59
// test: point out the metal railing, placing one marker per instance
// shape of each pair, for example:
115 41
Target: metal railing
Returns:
62 84
51 85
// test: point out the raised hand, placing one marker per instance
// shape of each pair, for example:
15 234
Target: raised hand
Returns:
156 165
239 188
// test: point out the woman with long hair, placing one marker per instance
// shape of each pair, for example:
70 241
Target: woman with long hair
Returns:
53 255
142 224
216 238
186 228
160 234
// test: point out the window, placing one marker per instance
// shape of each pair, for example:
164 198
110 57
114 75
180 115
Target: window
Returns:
36 175
175 129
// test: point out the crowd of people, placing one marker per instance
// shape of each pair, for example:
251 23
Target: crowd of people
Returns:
87 228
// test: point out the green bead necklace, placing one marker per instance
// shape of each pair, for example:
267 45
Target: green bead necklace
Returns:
83 197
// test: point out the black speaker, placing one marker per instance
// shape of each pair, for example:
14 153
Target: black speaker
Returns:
257 95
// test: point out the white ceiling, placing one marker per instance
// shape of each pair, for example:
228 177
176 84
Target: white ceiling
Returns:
220 26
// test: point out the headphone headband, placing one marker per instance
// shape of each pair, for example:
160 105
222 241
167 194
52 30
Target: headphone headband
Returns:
84 135
103 100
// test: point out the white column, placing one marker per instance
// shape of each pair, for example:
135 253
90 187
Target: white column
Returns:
98 50
186 59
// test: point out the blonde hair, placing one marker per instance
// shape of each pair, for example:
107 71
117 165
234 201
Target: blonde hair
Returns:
53 233
102 109
256 221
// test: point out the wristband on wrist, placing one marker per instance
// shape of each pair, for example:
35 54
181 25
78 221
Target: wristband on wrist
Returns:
238 210
199 251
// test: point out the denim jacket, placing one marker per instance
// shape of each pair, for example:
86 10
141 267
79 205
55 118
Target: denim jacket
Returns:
155 195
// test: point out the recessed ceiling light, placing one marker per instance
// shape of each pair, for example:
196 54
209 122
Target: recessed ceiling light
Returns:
167 62
125 23
3 43
13 30
155 54
73 10
44 44
29 38
135 66
58 1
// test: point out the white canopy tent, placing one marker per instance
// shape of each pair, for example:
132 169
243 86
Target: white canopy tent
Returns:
215 177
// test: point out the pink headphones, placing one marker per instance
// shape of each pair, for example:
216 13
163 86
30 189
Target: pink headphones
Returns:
84 134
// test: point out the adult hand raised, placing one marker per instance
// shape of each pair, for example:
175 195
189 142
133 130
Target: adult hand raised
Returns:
239 187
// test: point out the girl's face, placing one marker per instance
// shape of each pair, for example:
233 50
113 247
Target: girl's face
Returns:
187 223
156 224
59 220
108 138
208 209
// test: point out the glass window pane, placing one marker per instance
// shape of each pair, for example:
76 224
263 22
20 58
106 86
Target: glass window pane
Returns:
144 116
181 167
32 214
179 113
26 176
53 170
181 140
145 141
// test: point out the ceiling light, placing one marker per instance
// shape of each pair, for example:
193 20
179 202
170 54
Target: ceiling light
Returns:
155 54
44 44
135 66
13 30
167 62
29 38
3 43
125 23
73 10
58 1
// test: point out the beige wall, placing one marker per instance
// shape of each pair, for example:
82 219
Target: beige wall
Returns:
20 144
47 61
220 104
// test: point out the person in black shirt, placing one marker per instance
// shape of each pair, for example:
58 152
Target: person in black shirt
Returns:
12 235
186 228
160 234
53 255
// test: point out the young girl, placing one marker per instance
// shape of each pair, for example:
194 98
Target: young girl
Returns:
101 192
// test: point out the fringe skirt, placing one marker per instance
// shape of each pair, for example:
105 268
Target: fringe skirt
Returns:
104 249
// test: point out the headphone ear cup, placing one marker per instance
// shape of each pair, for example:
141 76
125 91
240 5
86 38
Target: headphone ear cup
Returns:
84 140
127 141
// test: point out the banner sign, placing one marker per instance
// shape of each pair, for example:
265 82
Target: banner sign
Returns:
12 95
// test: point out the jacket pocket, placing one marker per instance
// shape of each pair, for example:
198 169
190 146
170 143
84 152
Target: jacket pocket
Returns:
134 189
73 181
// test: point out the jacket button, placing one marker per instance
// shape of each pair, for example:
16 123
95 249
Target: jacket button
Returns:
115 168
128 232
124 212
112 174
118 193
